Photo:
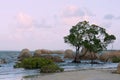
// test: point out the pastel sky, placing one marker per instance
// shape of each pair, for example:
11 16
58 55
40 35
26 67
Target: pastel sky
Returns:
42 24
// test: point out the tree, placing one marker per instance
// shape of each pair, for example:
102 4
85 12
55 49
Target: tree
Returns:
90 37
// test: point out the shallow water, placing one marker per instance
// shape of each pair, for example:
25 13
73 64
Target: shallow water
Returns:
7 72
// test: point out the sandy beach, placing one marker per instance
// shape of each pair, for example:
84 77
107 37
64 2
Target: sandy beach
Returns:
99 74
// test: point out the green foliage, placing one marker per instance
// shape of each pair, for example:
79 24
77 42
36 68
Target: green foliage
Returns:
33 63
92 37
38 63
115 60
51 69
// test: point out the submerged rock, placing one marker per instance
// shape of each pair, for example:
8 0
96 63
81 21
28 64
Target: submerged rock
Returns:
25 53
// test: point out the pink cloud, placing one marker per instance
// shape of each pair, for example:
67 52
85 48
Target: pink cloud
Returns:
24 19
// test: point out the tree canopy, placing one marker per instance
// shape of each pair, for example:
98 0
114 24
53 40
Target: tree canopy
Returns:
92 37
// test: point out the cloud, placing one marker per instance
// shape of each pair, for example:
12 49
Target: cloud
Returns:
24 19
26 22
74 11
109 17
72 14
71 11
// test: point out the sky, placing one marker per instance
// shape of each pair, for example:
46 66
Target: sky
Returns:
42 24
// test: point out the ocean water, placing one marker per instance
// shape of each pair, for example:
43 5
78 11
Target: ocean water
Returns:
7 72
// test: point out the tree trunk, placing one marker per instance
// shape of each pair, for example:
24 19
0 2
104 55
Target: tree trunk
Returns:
77 59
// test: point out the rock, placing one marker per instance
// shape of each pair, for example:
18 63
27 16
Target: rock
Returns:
47 56
44 51
57 59
58 52
53 58
25 53
37 53
108 56
118 68
69 54
2 61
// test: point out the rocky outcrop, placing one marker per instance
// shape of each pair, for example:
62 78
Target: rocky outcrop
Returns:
118 68
108 56
25 53
37 53
48 54
84 55
69 54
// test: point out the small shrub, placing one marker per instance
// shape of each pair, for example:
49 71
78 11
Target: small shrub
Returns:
51 69
33 63
46 65
115 60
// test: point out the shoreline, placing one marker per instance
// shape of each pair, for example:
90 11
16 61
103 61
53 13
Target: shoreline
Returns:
88 74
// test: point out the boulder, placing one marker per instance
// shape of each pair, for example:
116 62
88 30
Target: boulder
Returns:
45 51
47 56
69 54
37 53
2 61
53 58
57 59
108 56
57 52
118 68
25 53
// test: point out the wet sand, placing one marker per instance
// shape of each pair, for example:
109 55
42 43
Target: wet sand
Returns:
99 74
